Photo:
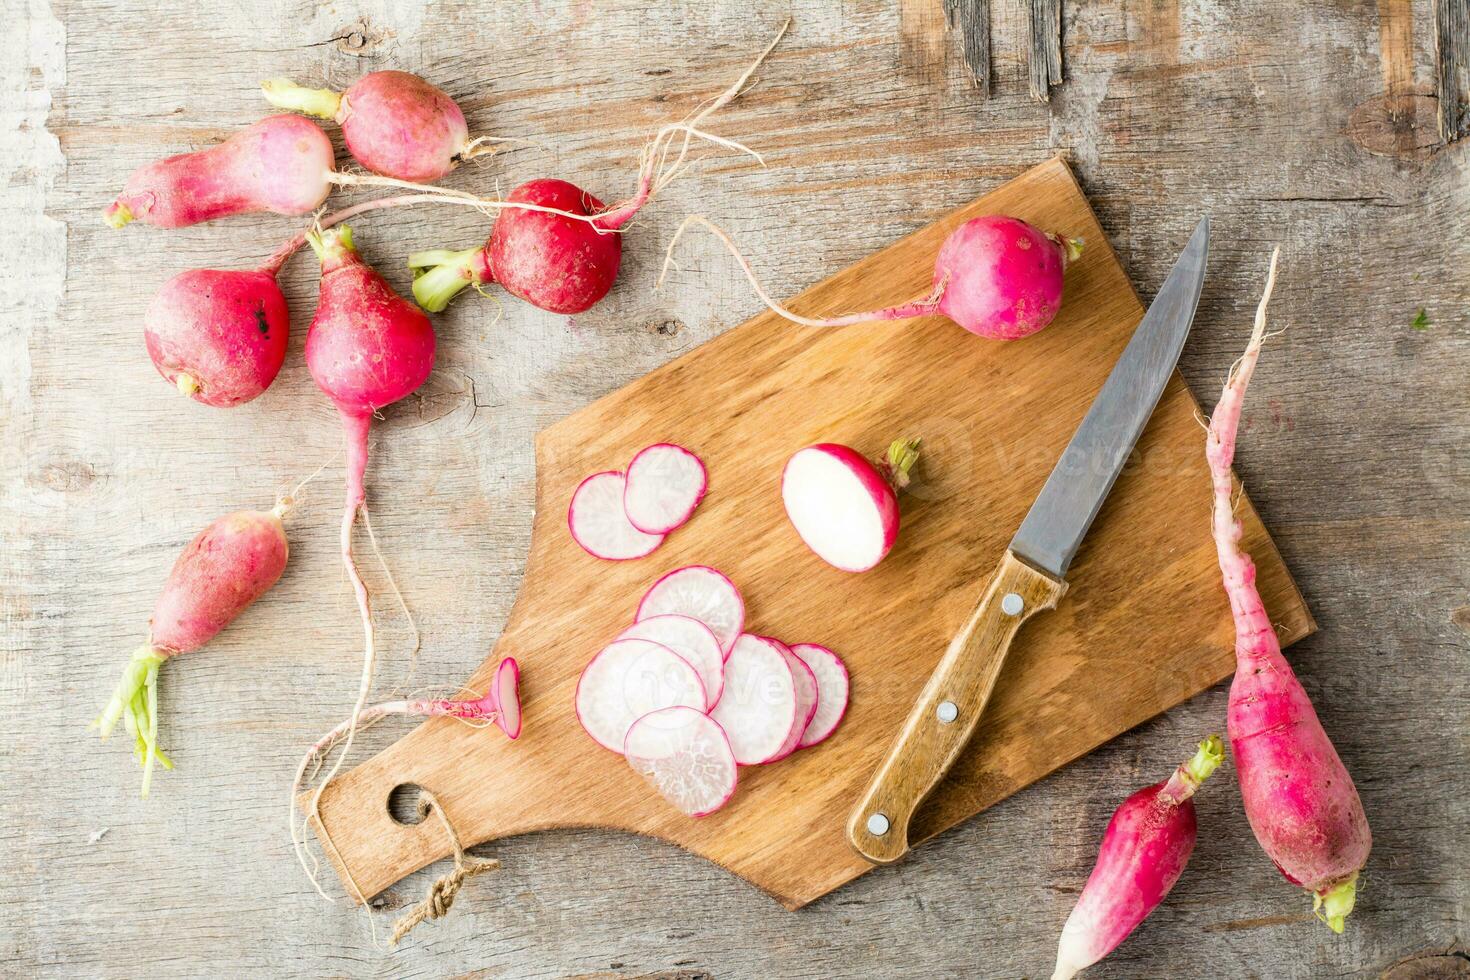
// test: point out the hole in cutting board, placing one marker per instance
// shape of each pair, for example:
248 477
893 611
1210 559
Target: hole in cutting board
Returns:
403 804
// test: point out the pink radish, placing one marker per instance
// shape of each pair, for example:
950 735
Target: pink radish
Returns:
1144 850
844 507
505 693
806 699
832 689
995 276
1298 796
228 565
282 164
693 641
598 523
664 484
760 706
702 593
686 756
627 680
395 124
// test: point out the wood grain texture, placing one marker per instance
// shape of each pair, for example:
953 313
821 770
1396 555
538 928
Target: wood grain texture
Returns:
1045 37
1452 66
1354 450
972 19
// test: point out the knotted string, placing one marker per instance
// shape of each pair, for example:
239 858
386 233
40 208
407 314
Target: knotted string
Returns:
441 894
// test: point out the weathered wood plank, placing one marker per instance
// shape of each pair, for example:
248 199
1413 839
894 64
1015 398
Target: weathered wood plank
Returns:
1045 38
1452 63
972 19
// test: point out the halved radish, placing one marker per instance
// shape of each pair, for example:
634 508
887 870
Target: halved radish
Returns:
664 484
598 523
806 699
832 689
686 755
702 593
690 639
842 506
505 695
759 707
626 681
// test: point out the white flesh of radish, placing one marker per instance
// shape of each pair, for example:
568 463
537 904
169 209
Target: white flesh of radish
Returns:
832 690
598 523
626 681
806 699
701 593
507 698
664 485
690 639
833 511
686 756
759 706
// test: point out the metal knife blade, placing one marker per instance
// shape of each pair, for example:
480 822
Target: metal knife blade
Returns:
1075 490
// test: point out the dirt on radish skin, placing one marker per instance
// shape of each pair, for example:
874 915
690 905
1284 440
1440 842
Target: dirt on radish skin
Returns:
843 506
702 593
281 164
686 756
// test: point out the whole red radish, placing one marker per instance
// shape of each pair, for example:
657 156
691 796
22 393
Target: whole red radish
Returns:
228 565
282 164
1144 850
395 123
996 276
844 507
1298 796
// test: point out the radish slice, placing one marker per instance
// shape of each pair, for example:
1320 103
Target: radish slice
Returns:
702 593
841 506
626 681
806 699
505 695
598 524
686 756
664 484
759 707
693 641
832 690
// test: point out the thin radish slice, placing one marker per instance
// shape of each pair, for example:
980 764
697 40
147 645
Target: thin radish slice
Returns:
505 694
690 639
702 593
626 681
759 707
832 691
664 484
686 755
806 699
841 506
598 523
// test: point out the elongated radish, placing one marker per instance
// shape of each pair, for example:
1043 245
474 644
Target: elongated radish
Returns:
227 566
598 523
844 507
702 593
806 699
1298 796
281 164
664 484
832 690
628 679
996 276
686 756
760 706
394 123
1144 850
693 641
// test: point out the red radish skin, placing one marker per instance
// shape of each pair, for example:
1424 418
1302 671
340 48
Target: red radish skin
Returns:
228 565
806 699
760 705
664 483
833 685
996 276
282 164
703 593
506 692
844 507
686 755
394 123
1144 850
1298 796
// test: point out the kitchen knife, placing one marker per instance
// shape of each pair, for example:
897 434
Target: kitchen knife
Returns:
1031 573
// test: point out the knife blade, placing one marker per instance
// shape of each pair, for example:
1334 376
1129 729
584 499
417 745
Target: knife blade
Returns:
1030 577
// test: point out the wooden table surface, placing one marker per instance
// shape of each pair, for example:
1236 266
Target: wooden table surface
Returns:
1310 124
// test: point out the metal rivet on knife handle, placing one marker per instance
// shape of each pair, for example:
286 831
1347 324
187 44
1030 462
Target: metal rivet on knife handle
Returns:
1012 604
877 824
947 712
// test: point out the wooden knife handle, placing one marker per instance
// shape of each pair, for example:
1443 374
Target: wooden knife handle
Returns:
944 717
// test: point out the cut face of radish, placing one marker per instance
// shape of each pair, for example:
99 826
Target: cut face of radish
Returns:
626 681
759 707
702 593
598 523
686 756
664 484
505 694
841 506
806 698
690 639
832 688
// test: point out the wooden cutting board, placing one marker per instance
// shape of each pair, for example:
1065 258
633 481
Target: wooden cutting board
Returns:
1144 626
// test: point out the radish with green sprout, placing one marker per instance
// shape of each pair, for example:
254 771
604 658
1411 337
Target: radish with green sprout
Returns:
1300 801
844 507
1144 850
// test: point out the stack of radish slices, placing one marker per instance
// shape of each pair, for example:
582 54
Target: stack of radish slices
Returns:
618 515
687 697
